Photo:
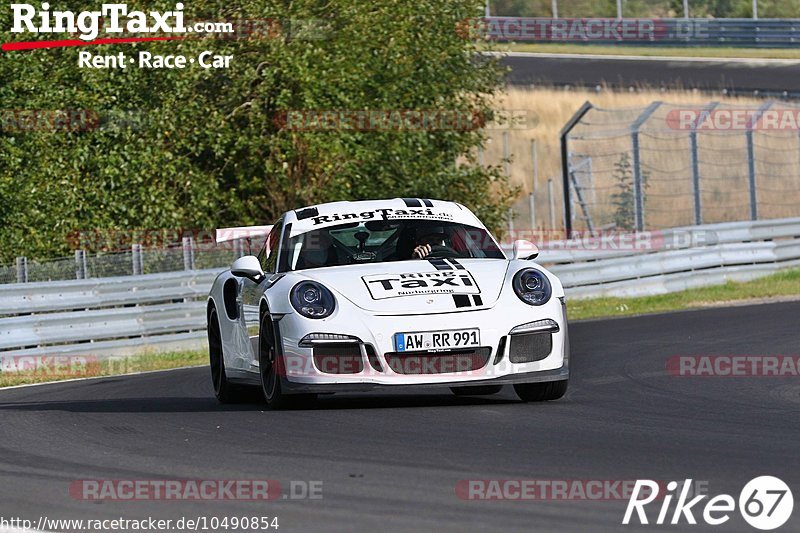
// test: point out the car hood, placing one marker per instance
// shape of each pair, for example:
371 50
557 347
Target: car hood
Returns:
416 286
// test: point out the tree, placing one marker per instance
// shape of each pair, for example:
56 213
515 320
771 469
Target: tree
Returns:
624 199
195 148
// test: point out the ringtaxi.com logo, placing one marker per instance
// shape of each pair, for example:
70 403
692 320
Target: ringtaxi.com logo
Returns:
765 503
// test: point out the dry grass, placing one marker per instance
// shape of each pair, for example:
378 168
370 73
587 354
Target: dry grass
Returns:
665 154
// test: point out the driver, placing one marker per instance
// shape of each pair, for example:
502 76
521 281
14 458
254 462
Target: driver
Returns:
426 242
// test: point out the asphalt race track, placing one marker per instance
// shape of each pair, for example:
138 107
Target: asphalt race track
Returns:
769 77
391 463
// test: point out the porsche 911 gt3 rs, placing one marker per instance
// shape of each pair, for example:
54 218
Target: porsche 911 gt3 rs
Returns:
353 296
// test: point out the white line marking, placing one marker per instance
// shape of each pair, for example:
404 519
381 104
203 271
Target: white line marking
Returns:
748 60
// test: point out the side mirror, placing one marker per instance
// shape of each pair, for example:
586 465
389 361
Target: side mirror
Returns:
525 250
247 267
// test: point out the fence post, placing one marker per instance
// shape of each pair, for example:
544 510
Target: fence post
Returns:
552 203
532 207
751 159
80 264
565 131
638 186
22 270
136 258
698 208
506 155
531 196
698 205
188 253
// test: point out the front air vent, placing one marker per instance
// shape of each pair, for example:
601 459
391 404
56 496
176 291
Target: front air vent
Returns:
338 358
530 347
438 362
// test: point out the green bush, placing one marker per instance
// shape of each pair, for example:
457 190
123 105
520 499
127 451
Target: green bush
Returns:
197 148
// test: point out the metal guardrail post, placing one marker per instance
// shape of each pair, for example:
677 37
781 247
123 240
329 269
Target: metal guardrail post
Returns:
188 253
638 185
751 159
22 270
80 264
698 204
136 258
565 171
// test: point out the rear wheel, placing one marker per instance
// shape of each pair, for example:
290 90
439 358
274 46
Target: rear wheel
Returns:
481 390
271 367
224 390
541 392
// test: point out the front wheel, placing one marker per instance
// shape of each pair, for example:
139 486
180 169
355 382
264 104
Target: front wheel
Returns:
541 392
271 368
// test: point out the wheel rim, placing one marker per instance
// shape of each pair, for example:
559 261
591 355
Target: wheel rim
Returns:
266 361
215 351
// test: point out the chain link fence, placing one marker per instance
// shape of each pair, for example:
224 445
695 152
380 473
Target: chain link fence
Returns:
187 255
664 166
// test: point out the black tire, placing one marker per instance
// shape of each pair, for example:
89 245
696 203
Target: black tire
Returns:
480 390
271 368
541 392
224 390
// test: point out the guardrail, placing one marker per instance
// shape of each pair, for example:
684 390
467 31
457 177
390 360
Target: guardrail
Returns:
108 316
104 315
676 259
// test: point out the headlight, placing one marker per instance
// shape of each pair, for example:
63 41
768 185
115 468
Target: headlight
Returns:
532 286
312 300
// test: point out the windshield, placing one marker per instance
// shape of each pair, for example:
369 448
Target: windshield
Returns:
383 241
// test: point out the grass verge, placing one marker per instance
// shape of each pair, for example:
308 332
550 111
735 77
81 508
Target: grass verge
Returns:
26 370
652 51
782 284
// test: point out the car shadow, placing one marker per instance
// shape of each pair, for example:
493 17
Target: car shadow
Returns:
254 403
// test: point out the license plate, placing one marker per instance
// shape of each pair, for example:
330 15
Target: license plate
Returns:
437 340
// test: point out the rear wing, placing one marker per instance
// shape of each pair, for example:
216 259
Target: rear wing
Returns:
244 232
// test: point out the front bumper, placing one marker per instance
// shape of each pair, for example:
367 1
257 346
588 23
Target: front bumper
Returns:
495 324
293 387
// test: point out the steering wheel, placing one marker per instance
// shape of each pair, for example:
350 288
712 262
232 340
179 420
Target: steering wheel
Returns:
439 251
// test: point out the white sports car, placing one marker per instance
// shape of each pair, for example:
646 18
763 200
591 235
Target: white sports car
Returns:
351 296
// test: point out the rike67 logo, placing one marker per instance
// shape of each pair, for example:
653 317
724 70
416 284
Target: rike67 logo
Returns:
765 503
